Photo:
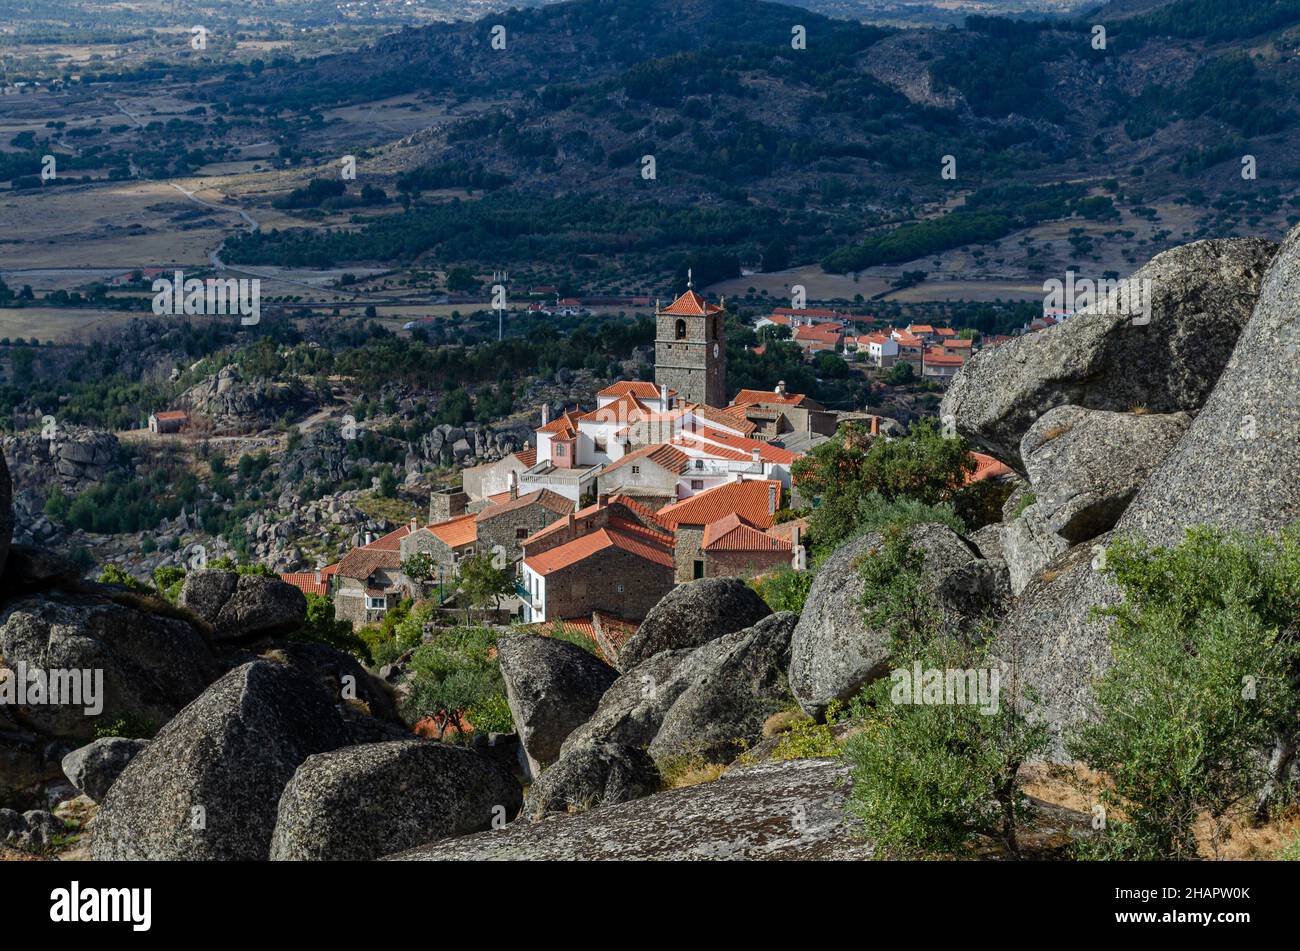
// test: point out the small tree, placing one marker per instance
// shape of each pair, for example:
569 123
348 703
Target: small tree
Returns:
483 583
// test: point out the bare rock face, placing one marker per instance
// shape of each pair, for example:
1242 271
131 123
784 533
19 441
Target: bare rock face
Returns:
1238 464
94 768
1085 465
835 653
240 607
208 785
791 810
152 665
552 687
1202 296
364 802
1028 546
1052 646
692 614
592 776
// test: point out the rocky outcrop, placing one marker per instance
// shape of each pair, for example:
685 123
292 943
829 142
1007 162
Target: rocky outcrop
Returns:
33 830
634 706
792 810
1202 296
1028 546
733 685
834 652
552 687
95 767
591 776
233 405
242 607
1085 465
152 665
208 785
363 802
1051 646
692 614
1237 465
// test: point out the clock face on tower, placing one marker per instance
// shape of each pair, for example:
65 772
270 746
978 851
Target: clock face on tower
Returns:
715 349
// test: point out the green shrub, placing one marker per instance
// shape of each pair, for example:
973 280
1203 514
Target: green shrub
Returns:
930 779
784 589
1204 655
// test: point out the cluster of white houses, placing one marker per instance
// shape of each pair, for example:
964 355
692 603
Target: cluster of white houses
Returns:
614 505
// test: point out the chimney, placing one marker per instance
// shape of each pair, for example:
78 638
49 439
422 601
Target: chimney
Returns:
758 458
318 576
602 500
568 526
780 387
514 484
546 413
771 498
370 537
663 397
875 425
796 535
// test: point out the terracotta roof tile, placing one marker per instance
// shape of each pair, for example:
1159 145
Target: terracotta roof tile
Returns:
458 531
731 533
641 389
691 304
305 581
751 397
662 454
749 499
544 497
580 549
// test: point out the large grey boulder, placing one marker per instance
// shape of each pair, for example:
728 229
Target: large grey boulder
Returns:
1237 465
733 685
692 614
791 810
1202 296
95 767
592 776
633 708
835 653
1052 647
1086 465
363 802
152 665
208 785
552 687
1028 546
243 606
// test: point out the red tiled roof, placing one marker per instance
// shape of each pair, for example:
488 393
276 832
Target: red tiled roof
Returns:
945 332
724 417
711 449
527 457
563 425
766 451
957 343
781 320
748 499
580 549
305 581
691 304
641 389
458 531
626 409
637 507
821 312
731 533
170 414
751 397
822 334
920 329
662 454
938 358
986 467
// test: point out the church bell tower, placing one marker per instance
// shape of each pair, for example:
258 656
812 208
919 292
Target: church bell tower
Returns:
691 348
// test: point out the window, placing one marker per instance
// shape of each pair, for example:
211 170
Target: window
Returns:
698 569
699 463
636 470
619 587
376 604
697 484
600 443
521 533
559 449
681 330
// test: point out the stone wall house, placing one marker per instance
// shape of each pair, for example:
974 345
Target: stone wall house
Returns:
614 570
754 501
449 542
168 421
504 526
369 579
732 548
776 412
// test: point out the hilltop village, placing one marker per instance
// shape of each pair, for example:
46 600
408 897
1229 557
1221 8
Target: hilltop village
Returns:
611 506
